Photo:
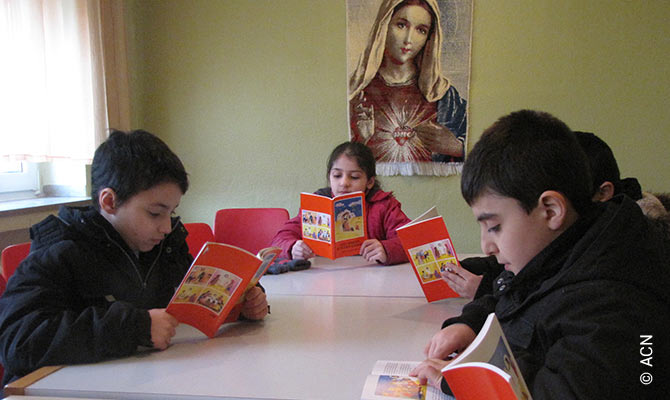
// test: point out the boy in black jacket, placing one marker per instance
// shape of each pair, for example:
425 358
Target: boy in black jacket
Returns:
477 274
97 279
583 300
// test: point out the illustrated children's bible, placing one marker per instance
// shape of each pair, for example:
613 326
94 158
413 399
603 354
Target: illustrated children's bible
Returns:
334 227
216 282
430 251
390 380
486 369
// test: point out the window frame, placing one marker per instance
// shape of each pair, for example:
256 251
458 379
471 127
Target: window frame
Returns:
26 180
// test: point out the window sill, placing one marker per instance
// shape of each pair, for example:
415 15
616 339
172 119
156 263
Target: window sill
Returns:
8 208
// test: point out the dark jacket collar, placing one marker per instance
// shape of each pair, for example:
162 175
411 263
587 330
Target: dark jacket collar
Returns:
87 223
608 242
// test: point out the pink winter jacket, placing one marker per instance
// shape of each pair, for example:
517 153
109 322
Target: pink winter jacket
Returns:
384 217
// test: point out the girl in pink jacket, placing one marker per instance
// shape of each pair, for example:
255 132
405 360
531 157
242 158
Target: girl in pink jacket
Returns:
351 168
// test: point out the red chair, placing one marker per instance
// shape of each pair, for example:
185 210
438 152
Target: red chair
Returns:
198 234
249 228
12 256
3 286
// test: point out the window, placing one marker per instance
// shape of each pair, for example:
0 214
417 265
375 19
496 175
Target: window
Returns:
56 102
17 176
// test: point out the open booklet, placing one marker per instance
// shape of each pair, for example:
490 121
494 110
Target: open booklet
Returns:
334 227
215 283
430 251
390 380
486 369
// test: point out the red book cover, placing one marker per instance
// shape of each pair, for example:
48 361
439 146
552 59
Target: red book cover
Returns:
430 251
486 369
334 227
216 282
479 381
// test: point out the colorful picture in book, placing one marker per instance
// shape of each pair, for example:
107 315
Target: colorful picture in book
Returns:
432 258
199 275
400 387
316 225
224 281
188 294
349 219
213 300
208 287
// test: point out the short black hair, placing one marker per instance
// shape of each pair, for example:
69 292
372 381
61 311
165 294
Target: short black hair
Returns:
524 154
604 167
363 156
131 162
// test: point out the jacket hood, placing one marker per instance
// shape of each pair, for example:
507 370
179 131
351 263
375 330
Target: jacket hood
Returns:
69 224
75 222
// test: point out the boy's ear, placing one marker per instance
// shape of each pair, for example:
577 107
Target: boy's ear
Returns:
555 208
107 200
605 192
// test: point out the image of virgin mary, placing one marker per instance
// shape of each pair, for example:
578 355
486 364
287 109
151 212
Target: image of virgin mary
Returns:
400 104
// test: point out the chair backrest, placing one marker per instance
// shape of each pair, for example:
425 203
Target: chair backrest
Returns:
12 256
249 228
198 234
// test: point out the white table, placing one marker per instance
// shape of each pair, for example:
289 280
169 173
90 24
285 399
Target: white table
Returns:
311 346
347 276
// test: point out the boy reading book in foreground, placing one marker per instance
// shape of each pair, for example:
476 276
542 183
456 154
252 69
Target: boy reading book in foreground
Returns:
583 300
97 279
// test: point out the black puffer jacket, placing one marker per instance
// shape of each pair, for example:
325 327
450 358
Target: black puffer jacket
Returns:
579 315
82 295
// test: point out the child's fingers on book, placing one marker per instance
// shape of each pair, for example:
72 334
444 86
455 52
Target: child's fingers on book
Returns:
256 301
256 313
429 371
450 277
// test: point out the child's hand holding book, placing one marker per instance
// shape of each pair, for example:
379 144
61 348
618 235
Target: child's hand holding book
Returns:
429 372
452 339
373 250
482 367
462 281
301 251
255 304
163 328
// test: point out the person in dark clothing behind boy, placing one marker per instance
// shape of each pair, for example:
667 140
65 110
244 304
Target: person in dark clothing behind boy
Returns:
607 182
605 174
583 300
97 279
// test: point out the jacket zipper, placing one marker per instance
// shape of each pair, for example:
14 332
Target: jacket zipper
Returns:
137 271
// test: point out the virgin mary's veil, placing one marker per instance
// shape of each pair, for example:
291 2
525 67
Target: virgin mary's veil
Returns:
431 82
